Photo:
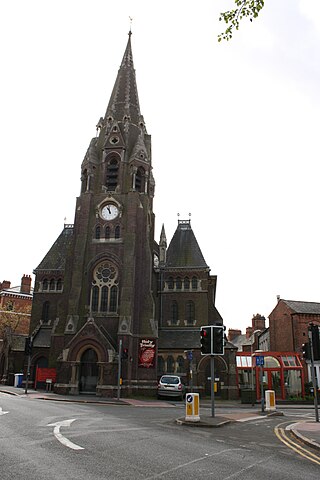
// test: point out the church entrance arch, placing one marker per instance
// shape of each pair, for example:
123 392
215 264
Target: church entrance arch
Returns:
88 371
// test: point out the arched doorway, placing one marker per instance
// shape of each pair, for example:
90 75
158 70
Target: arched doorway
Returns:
88 371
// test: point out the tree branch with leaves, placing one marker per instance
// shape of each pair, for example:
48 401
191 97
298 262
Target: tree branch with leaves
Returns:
244 9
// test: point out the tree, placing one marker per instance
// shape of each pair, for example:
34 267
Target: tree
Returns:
245 9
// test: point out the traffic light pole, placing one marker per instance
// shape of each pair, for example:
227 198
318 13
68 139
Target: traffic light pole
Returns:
314 382
212 384
119 368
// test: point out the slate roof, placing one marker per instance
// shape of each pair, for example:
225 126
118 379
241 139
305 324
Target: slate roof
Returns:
18 343
124 99
308 308
184 251
55 259
43 337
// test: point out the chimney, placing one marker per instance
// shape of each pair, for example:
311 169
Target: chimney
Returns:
25 284
233 333
5 285
249 332
258 322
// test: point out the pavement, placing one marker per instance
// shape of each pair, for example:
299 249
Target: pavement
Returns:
306 431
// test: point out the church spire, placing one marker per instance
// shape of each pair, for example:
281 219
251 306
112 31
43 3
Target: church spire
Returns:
124 100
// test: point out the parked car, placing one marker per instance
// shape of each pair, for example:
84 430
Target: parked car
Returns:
171 386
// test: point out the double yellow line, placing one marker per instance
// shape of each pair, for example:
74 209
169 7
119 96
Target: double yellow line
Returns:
284 438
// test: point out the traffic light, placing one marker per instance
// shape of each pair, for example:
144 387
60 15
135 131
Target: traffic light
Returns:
125 354
306 351
28 346
218 339
315 341
206 340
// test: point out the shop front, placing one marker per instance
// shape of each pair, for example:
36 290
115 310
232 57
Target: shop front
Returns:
278 371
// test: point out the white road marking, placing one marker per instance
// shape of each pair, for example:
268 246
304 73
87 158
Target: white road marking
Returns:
60 437
2 412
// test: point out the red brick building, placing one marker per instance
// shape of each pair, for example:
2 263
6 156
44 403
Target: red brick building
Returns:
15 314
288 327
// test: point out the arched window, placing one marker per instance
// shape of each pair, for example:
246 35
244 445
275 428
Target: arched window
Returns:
194 283
174 313
59 284
186 283
45 284
45 312
180 364
170 283
104 288
98 231
190 312
170 364
113 298
84 180
95 299
178 283
104 299
112 174
117 232
107 232
160 364
140 180
52 285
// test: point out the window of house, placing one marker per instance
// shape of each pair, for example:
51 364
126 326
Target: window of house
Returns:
174 313
170 283
112 174
186 283
45 284
52 285
98 232
194 283
170 364
107 232
140 180
180 364
117 232
178 283
59 284
190 312
45 312
84 180
104 288
160 364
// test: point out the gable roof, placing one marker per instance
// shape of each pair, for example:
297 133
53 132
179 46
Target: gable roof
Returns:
55 259
184 250
311 308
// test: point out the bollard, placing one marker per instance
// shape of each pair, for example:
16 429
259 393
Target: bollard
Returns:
192 407
270 401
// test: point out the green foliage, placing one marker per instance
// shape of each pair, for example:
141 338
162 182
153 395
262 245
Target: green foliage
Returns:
245 9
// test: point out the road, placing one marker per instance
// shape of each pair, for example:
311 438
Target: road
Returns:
44 439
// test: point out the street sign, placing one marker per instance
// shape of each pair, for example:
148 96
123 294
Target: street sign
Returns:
190 355
259 360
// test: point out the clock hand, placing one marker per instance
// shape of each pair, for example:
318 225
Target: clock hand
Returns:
109 209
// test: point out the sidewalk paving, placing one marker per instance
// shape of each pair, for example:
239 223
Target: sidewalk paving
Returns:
307 431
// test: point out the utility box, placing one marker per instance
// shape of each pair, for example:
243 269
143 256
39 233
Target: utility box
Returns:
192 407
270 400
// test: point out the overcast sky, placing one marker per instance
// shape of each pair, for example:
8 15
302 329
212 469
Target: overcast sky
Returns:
235 133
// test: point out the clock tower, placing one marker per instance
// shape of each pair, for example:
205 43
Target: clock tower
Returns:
94 303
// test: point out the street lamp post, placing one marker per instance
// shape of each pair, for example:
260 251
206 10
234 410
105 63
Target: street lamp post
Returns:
252 343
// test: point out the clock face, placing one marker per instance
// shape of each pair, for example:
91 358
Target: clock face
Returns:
109 212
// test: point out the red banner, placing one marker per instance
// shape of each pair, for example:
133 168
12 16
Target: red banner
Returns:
147 353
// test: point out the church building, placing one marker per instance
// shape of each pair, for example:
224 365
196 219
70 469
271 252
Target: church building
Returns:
110 302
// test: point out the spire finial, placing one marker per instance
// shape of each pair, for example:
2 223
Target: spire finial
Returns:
130 32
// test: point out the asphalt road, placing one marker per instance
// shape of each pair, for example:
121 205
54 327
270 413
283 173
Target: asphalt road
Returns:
55 440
